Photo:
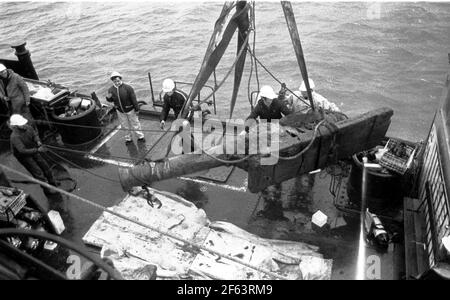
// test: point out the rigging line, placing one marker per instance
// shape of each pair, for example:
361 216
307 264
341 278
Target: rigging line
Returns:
252 29
206 57
276 79
153 146
165 233
88 153
224 161
254 44
249 95
81 168
82 126
244 46
307 147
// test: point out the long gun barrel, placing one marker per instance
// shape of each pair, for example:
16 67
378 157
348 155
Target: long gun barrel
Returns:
298 154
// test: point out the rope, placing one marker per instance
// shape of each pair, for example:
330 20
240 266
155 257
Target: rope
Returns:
55 163
252 29
224 161
244 46
276 79
307 147
83 169
154 145
165 233
254 44
85 126
88 153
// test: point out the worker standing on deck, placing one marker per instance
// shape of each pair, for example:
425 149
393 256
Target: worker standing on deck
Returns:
14 93
27 148
173 99
127 107
319 100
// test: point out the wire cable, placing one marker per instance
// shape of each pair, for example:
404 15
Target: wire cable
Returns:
307 147
276 79
165 233
40 121
83 169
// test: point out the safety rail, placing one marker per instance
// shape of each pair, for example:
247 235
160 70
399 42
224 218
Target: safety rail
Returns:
434 202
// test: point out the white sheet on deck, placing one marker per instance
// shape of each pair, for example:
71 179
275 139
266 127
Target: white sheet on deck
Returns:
135 246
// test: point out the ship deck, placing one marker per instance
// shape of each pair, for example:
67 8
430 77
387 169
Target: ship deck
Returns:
223 196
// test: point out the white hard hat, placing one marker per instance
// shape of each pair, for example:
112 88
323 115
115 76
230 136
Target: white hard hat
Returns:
267 92
17 120
303 86
115 74
2 67
168 85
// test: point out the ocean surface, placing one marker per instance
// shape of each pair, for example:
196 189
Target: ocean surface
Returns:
361 55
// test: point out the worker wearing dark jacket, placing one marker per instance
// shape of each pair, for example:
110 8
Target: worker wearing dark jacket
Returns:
173 99
27 148
124 99
269 106
14 93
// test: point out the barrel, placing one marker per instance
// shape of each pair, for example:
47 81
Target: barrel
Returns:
74 133
384 190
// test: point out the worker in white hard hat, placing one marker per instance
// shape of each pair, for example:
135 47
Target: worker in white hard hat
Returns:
269 106
27 148
173 99
319 100
14 93
124 99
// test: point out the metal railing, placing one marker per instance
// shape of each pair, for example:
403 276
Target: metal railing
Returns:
434 201
177 85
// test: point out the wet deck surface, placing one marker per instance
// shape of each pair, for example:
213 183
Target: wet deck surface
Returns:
97 180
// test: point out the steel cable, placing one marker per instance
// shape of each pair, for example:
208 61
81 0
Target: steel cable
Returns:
165 233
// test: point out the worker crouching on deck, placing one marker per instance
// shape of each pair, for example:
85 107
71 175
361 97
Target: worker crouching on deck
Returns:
124 99
27 148
173 99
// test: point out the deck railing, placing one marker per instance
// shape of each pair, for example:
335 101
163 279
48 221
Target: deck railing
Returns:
435 202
